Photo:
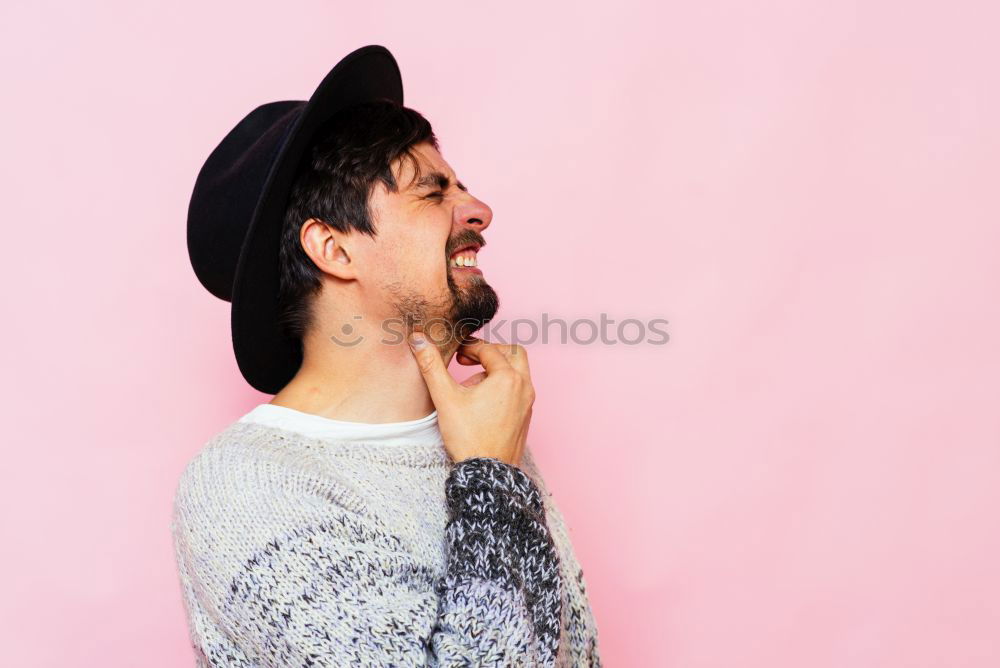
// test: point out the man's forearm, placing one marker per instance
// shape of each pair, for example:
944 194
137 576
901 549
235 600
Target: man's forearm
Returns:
497 533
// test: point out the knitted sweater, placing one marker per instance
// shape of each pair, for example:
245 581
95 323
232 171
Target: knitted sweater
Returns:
299 551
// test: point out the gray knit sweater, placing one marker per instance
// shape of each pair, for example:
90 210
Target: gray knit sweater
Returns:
295 551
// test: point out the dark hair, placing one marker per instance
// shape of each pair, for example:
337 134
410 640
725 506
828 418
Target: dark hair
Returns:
352 149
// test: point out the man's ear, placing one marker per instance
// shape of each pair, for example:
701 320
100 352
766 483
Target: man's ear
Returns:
328 248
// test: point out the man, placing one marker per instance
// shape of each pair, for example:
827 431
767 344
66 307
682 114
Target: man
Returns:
375 511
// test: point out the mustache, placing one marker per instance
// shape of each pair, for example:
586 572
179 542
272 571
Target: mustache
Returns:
463 238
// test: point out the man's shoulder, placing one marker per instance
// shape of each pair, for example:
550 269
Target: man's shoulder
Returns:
229 487
249 484
231 440
251 465
223 464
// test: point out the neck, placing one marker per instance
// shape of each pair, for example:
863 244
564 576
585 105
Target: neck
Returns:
372 382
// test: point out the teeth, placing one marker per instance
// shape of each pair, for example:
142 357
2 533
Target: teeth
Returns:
464 260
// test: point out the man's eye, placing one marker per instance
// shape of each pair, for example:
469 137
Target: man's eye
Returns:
437 194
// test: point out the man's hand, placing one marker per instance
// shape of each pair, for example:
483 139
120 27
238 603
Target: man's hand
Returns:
487 415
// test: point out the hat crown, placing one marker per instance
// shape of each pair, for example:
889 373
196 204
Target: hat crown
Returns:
227 190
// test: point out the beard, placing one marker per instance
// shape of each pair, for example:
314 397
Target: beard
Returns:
461 309
472 306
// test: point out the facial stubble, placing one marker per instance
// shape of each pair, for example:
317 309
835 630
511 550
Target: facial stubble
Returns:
463 309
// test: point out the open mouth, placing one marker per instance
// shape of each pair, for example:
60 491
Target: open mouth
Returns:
464 257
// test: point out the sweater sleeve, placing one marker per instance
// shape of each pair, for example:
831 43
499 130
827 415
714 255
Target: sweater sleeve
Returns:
499 546
334 587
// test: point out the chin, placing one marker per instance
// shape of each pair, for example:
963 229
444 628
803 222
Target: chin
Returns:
474 304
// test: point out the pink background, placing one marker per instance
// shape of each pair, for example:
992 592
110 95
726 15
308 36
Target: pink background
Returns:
808 474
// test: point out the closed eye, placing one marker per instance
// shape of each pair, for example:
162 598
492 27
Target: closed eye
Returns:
436 194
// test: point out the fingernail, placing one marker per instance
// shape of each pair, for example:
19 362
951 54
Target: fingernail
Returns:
417 341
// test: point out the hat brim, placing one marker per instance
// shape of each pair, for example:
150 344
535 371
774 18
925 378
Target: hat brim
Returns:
267 358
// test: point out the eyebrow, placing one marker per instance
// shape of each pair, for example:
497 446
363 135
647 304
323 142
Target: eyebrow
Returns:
436 179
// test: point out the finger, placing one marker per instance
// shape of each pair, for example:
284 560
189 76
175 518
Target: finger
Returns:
486 354
465 361
474 379
518 358
507 349
515 355
439 382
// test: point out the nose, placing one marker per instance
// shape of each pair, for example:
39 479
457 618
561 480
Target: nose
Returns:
473 213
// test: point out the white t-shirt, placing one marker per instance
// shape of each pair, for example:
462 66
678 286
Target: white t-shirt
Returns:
423 431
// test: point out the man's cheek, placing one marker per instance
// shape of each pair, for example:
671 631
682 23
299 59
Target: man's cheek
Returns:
439 269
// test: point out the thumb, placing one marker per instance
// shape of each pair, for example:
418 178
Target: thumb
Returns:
439 382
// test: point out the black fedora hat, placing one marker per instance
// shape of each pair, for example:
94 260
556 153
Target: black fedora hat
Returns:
239 200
